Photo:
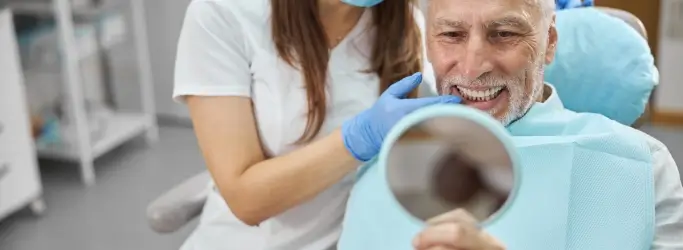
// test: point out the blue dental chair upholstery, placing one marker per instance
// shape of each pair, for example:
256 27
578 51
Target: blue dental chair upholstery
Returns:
602 65
181 204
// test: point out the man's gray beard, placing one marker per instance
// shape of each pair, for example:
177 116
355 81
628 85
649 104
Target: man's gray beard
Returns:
519 101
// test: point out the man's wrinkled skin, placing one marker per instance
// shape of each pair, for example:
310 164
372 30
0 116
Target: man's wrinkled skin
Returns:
484 43
479 45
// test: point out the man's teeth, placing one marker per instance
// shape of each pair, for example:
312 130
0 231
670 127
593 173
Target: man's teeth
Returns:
479 95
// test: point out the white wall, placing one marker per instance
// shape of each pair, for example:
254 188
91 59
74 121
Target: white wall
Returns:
670 57
164 20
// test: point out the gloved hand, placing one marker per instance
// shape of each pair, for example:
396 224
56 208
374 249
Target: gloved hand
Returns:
363 135
568 4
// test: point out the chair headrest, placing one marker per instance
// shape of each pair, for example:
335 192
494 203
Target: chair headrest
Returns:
602 65
628 17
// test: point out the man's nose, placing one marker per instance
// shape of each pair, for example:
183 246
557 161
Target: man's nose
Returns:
476 61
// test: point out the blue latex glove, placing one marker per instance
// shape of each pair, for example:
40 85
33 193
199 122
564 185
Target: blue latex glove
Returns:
363 135
568 4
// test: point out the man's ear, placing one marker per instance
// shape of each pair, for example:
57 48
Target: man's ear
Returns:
552 42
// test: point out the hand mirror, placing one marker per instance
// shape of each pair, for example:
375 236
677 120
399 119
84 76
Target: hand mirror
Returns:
457 161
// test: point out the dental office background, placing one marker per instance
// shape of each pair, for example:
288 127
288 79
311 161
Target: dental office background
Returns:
118 56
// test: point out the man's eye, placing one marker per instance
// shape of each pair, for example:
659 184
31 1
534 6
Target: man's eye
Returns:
504 34
453 34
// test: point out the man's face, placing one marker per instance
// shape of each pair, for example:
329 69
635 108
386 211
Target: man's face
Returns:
491 52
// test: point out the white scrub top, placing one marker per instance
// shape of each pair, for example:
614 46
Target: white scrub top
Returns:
226 49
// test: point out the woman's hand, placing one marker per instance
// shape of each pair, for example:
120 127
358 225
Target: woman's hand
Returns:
363 135
456 230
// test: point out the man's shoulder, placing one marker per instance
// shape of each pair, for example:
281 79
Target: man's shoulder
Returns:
579 122
613 129
654 144
655 147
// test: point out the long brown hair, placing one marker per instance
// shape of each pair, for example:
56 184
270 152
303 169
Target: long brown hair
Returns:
301 42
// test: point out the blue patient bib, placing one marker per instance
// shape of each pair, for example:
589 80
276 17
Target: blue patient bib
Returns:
586 184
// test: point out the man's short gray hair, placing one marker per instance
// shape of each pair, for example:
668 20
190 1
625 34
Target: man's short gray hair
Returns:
547 10
547 6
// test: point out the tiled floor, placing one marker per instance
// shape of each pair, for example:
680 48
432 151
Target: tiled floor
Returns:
111 214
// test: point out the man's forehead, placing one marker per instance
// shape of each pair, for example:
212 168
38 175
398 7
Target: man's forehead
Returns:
450 12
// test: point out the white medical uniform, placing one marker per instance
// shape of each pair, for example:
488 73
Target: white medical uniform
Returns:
668 198
226 49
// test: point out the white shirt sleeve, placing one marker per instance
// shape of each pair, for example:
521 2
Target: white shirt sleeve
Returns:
669 201
211 55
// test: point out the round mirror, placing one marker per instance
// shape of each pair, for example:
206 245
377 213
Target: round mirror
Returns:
447 163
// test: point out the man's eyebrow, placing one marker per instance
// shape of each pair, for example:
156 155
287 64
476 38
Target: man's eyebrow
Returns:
440 21
514 21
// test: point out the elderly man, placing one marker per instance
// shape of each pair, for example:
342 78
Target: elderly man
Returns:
493 53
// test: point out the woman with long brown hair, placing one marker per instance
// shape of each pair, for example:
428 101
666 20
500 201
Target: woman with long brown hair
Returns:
288 98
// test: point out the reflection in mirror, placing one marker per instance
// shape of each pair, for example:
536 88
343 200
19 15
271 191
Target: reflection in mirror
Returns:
447 163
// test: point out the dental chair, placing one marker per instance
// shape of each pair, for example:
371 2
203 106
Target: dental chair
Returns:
183 203
638 25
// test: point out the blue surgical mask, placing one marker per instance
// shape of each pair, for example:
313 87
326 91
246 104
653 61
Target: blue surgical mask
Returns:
362 3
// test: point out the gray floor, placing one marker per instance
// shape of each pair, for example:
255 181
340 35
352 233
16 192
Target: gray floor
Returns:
110 215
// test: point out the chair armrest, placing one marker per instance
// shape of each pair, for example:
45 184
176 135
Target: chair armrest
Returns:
180 205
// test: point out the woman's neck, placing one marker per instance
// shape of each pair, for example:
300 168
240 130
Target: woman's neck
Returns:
338 12
338 19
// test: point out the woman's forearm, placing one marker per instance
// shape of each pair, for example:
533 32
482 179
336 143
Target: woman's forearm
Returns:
256 188
272 186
